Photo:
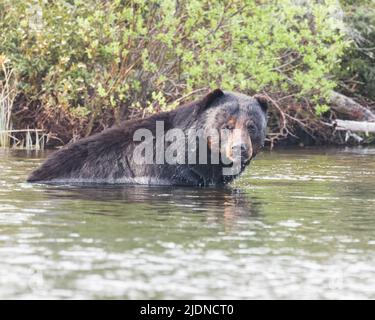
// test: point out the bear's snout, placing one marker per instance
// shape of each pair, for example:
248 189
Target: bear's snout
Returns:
244 151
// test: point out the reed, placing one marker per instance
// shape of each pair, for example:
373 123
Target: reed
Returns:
8 93
39 140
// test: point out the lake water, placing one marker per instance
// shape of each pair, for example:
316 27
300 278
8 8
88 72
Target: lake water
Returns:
298 224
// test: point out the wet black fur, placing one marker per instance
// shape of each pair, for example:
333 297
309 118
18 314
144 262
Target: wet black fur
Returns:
107 157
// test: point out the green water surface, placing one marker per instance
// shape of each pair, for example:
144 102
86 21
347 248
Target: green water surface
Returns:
298 224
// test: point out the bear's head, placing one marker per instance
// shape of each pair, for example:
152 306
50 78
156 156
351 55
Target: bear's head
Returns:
242 119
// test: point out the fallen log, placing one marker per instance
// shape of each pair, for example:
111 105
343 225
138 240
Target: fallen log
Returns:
350 108
356 126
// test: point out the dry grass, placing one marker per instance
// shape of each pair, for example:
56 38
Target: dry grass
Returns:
8 93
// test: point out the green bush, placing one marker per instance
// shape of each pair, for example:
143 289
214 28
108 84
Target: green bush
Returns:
84 64
358 66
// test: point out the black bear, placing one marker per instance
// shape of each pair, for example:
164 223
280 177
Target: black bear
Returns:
179 147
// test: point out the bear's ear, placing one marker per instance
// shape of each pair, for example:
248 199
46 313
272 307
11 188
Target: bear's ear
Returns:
263 101
207 100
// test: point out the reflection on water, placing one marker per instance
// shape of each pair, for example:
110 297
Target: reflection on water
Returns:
298 224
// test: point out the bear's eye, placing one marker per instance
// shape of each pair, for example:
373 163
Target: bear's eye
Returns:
251 127
228 126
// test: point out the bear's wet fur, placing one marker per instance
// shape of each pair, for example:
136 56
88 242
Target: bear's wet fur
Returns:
107 157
